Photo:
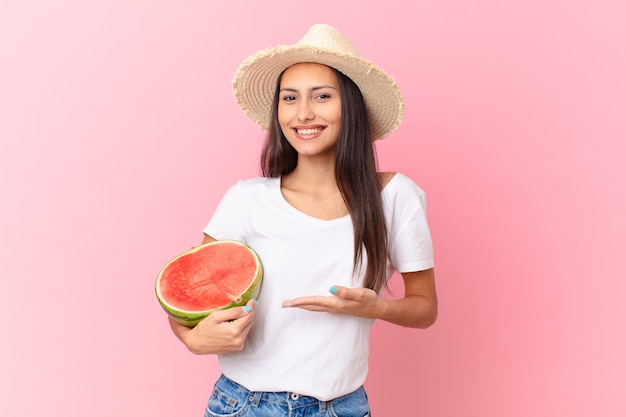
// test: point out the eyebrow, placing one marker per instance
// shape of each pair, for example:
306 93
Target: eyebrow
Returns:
320 87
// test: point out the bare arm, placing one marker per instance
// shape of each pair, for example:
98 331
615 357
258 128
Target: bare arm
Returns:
418 307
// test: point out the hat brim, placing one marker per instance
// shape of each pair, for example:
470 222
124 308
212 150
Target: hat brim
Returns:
254 84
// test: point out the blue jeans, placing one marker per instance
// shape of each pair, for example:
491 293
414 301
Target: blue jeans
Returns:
230 399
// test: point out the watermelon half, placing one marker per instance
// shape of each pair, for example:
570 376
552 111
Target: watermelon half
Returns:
213 276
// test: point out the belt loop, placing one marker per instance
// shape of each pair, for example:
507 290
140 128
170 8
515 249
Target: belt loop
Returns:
255 398
324 405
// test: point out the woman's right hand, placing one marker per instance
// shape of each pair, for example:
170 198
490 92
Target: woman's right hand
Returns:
222 331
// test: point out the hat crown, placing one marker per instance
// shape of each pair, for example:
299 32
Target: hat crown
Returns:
326 37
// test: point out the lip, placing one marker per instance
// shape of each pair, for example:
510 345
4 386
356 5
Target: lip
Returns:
308 132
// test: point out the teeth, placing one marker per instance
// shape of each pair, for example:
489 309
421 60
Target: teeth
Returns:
308 131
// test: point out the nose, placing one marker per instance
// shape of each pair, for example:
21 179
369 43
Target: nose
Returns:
305 111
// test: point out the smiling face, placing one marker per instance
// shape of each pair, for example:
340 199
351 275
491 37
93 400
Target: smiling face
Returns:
309 109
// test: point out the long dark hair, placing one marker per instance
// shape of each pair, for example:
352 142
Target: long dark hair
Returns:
355 173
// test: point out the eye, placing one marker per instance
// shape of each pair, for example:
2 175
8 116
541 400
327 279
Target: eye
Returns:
288 98
323 96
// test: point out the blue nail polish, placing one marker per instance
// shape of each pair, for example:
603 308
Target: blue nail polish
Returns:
246 309
333 290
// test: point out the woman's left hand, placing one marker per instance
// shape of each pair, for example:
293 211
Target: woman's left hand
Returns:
361 302
417 309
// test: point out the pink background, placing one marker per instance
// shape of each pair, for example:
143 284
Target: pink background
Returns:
119 134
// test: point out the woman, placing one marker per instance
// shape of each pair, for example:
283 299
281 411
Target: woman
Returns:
322 220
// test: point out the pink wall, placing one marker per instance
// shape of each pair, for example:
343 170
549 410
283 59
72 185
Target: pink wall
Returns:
119 134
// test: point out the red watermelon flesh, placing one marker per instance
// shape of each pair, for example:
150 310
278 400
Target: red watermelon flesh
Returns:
212 276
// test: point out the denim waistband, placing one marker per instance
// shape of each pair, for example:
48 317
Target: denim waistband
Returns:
291 399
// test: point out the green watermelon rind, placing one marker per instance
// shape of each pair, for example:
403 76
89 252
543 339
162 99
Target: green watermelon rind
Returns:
192 318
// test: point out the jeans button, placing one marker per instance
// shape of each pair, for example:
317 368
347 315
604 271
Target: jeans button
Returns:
294 396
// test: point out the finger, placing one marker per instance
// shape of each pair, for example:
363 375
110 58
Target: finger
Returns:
341 292
234 313
296 302
310 302
352 294
314 307
246 324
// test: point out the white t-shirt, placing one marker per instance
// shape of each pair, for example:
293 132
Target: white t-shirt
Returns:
319 354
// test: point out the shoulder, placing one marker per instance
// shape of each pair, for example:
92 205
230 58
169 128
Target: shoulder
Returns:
257 184
402 195
384 178
394 182
251 188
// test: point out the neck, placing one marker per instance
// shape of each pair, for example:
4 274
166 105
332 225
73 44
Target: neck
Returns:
313 173
312 189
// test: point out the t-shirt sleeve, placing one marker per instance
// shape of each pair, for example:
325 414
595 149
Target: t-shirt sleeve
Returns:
410 242
228 221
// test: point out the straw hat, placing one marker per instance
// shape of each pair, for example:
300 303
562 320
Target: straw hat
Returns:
254 82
